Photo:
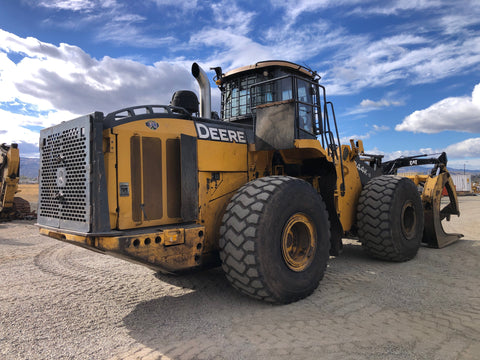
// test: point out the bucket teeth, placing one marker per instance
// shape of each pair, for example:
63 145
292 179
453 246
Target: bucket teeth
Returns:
434 235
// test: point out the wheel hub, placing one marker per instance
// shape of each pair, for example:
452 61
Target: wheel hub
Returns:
408 220
298 242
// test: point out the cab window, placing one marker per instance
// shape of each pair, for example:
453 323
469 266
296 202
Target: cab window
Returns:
305 96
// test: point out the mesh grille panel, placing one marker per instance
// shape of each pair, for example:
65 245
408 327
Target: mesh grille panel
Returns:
65 175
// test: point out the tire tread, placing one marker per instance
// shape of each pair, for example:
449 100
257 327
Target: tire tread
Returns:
237 237
373 219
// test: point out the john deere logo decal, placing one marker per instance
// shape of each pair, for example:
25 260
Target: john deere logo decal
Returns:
220 134
151 124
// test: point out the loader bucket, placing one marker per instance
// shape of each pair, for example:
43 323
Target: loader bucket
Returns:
434 235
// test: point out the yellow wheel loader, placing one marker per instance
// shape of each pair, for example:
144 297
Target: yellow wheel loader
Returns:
264 188
11 207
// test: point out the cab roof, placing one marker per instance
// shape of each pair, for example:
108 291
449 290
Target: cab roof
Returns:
269 63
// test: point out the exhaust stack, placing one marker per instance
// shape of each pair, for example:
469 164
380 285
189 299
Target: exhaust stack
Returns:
205 96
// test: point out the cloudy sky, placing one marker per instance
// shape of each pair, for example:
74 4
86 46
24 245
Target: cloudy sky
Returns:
404 75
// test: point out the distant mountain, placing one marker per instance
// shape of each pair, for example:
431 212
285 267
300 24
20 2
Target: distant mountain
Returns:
461 171
29 167
426 170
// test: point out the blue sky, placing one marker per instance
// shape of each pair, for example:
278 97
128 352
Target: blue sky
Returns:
404 75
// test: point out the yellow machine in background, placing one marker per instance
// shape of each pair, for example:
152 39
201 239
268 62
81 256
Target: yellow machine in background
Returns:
265 188
11 206
9 177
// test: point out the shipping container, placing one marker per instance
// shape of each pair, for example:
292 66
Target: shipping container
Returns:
463 183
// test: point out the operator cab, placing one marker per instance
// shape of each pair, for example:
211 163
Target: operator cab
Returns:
279 98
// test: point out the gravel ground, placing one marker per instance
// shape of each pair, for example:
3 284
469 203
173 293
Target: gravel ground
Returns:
59 301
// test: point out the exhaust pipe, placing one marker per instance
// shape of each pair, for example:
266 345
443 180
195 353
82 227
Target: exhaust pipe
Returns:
204 86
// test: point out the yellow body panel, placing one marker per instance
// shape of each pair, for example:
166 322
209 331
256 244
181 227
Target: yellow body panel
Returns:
259 163
13 157
311 149
221 156
9 183
11 188
120 160
213 199
109 156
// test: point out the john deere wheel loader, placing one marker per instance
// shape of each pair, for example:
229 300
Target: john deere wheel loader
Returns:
265 188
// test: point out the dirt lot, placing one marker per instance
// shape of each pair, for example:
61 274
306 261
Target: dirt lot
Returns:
59 301
29 192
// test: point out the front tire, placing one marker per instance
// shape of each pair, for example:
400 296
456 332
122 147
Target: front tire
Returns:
275 239
390 218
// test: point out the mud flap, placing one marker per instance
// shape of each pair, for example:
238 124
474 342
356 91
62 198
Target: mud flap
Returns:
434 235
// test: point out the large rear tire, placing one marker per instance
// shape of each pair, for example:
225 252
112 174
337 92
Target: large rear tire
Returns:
275 239
390 218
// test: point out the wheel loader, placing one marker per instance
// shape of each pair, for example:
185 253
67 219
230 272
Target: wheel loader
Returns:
265 188
11 207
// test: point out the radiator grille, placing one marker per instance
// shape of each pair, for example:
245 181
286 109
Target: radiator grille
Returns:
65 175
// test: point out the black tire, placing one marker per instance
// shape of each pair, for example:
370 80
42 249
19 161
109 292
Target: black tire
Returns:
275 239
390 218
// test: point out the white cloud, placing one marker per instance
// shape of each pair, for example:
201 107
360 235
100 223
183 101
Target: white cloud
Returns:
294 9
455 23
185 4
465 149
374 130
73 5
82 6
63 82
415 54
350 61
399 6
123 26
125 30
228 15
454 113
301 43
378 128
414 59
17 127
67 78
232 49
368 105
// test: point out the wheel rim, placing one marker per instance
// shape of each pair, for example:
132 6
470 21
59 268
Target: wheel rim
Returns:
409 220
298 242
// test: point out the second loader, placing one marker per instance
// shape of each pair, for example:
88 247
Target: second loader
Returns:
11 206
265 188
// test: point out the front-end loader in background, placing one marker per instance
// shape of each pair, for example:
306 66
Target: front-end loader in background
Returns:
265 188
11 207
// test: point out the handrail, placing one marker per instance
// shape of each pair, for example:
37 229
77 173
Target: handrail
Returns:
116 115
